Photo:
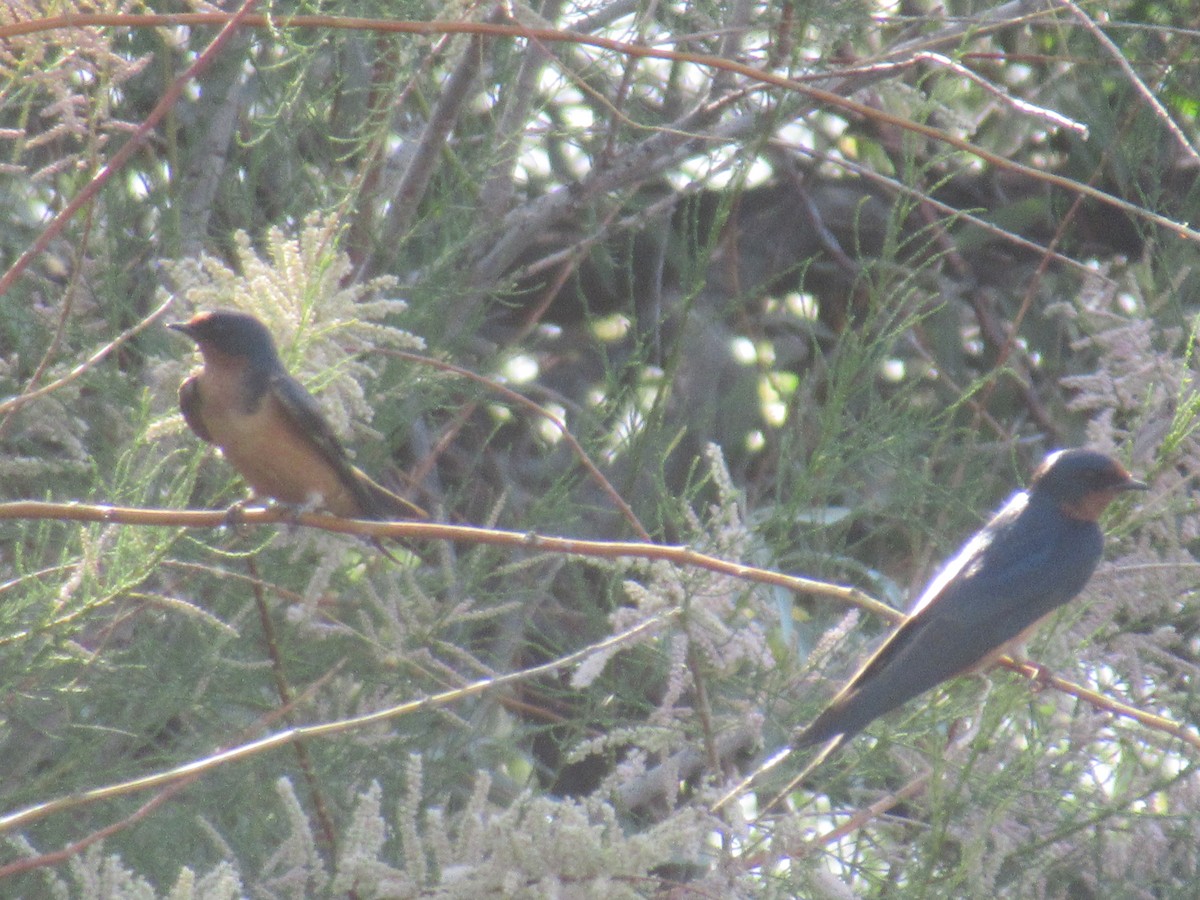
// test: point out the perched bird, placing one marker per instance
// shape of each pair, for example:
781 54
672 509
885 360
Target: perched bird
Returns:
1035 554
269 427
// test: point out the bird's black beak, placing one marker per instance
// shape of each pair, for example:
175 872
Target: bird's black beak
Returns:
182 327
1133 485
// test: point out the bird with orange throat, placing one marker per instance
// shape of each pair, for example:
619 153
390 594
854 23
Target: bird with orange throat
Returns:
269 427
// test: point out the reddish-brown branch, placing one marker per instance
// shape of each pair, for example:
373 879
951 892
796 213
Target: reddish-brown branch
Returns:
231 22
679 555
553 35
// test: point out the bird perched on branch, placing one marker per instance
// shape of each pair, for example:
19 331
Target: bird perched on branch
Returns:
269 427
1036 554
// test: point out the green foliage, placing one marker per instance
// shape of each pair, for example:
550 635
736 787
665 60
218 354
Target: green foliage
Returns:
787 334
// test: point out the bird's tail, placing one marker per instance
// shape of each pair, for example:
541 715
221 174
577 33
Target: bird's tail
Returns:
830 746
830 728
854 708
378 502
820 729
749 781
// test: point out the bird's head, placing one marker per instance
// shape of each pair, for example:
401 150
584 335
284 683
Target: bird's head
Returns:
230 333
1082 482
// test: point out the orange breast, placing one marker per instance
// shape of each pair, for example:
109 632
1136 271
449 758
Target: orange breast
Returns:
270 453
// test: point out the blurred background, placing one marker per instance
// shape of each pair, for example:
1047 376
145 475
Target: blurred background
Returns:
814 285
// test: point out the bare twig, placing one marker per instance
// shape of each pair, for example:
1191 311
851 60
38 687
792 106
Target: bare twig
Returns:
641 160
23 817
170 790
230 22
12 404
217 518
678 555
527 404
1139 86
1024 107
432 143
496 193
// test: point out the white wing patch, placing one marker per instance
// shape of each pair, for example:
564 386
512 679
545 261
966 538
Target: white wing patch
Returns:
970 556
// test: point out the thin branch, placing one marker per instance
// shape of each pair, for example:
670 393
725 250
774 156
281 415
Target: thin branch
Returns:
451 101
496 193
12 404
23 817
676 554
230 23
287 698
1139 86
632 169
1024 107
527 404
74 849
412 530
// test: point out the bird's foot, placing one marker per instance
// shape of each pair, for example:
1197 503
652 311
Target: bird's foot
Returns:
293 511
235 516
1041 676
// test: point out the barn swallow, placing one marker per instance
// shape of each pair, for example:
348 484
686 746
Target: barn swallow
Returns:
269 427
1035 554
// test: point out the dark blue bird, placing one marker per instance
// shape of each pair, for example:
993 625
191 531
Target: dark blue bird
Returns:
1035 554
